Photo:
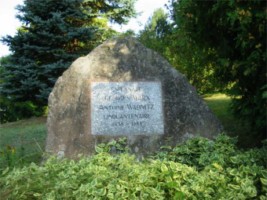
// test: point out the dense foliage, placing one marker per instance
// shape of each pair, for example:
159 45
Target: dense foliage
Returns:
12 111
219 46
156 31
198 169
165 36
234 33
54 34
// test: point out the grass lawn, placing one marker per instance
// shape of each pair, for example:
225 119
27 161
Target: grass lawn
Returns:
24 141
220 105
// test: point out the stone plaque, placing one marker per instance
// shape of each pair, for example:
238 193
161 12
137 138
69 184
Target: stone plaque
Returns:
123 89
126 108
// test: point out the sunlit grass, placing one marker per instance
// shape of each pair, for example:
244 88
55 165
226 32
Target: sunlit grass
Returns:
22 141
220 104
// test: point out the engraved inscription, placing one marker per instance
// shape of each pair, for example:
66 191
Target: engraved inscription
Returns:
126 108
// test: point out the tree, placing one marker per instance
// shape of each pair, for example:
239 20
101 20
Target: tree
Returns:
54 33
236 33
156 32
9 110
164 36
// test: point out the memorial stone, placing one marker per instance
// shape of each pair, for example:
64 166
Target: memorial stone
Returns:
123 89
126 108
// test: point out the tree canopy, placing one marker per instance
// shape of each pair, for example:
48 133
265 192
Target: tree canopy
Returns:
219 46
235 31
156 30
55 33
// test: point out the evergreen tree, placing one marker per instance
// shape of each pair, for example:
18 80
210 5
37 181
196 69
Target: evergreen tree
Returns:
54 34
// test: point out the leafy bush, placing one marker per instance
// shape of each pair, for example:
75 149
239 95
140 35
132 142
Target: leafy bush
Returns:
12 111
213 170
202 152
10 156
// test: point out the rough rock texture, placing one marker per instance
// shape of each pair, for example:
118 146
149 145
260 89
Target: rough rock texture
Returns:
123 60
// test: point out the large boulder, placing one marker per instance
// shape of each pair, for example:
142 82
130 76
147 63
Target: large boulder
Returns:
123 89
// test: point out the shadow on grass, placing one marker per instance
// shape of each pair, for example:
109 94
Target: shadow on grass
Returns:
220 104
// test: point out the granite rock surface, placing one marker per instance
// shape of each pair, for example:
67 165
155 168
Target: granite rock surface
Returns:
123 60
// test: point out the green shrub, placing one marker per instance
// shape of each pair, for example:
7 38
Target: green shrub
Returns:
214 170
12 111
202 152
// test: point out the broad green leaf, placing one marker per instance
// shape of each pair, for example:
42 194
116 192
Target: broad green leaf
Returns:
263 181
164 168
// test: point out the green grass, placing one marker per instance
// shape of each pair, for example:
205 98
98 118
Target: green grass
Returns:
22 142
220 104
